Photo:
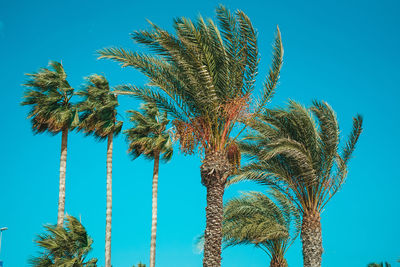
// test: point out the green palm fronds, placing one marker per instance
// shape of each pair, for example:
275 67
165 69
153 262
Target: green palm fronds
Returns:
149 134
203 76
295 150
66 247
49 96
254 218
98 108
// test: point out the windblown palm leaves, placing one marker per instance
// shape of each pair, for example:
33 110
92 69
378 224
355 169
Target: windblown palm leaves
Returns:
49 96
256 219
203 77
295 150
67 246
99 118
98 108
149 137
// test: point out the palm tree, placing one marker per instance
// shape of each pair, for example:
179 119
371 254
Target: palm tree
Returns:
98 118
49 96
149 137
256 219
296 152
204 77
67 246
386 264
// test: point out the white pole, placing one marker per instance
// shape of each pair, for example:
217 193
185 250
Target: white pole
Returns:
1 235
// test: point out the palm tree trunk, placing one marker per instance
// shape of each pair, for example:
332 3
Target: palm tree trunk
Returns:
214 171
109 201
311 237
278 262
154 211
63 168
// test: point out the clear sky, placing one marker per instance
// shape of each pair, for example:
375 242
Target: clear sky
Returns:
344 52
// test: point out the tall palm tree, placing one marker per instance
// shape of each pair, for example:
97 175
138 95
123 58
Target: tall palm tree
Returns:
64 246
99 118
296 152
49 96
149 137
204 77
256 219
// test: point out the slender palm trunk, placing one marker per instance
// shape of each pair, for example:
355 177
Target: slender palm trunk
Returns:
214 171
311 237
63 168
154 211
109 200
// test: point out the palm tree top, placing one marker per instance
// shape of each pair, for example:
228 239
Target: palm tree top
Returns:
98 108
385 264
254 218
49 95
149 134
203 76
296 150
64 246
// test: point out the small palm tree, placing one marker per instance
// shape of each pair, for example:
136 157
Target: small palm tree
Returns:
296 152
67 246
204 77
99 118
386 264
49 96
256 219
149 137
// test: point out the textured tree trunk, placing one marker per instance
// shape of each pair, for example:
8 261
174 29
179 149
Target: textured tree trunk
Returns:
214 171
278 262
154 211
109 200
311 237
63 168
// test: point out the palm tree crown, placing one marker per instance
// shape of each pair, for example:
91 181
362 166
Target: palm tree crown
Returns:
385 264
98 108
148 134
68 246
298 155
205 76
254 218
49 96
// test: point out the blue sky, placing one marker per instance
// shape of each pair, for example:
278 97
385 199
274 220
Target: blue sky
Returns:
343 52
